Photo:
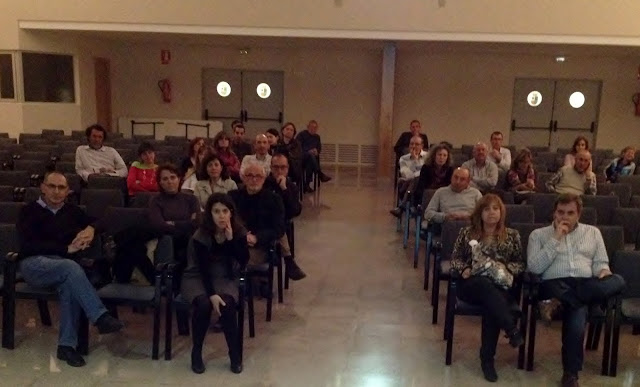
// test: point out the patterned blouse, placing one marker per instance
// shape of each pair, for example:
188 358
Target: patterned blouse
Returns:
515 177
501 262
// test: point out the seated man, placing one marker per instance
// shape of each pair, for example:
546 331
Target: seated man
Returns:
51 234
402 145
97 159
311 144
484 173
261 212
577 179
573 262
410 166
498 154
239 145
261 157
278 183
454 202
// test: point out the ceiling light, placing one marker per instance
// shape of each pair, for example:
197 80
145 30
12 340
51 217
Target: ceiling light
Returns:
560 59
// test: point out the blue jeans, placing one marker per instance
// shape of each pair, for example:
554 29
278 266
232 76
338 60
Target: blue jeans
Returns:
74 290
576 294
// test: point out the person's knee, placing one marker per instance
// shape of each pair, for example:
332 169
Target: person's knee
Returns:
72 269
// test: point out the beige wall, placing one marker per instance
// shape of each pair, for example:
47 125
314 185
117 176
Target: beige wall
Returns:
339 88
462 98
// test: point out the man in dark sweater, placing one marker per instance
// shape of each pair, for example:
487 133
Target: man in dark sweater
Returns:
239 144
309 139
278 183
261 211
402 145
51 234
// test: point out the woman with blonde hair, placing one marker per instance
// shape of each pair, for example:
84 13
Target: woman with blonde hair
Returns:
488 256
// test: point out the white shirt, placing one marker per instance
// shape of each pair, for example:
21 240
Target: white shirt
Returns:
505 163
89 161
410 167
264 162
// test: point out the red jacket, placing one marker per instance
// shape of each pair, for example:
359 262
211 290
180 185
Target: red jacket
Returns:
141 178
230 160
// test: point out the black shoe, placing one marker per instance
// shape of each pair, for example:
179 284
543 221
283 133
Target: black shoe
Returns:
107 324
569 380
264 291
489 371
308 189
236 368
70 355
397 212
515 338
197 365
294 272
324 178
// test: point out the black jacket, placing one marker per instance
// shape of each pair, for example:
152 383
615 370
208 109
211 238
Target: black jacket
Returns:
290 197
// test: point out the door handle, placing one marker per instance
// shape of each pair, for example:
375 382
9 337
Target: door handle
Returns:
555 125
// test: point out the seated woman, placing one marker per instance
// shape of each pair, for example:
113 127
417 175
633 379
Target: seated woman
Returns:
218 179
190 161
273 137
435 173
292 149
521 176
222 147
581 143
488 256
193 173
621 166
217 251
173 212
142 174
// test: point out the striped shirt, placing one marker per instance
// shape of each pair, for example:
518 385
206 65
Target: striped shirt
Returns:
483 178
580 254
89 161
264 162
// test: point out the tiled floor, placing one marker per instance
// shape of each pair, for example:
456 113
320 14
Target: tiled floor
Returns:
360 318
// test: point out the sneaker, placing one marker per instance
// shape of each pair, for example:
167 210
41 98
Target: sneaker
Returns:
569 380
489 371
70 355
549 309
107 324
397 212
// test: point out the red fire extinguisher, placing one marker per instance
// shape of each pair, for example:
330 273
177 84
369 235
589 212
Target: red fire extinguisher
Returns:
165 88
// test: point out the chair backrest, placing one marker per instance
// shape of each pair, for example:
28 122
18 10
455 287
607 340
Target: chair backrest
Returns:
629 219
52 132
69 146
525 230
33 154
6 193
33 167
117 219
519 213
142 199
31 194
633 181
107 182
426 197
537 149
450 231
627 264
8 240
604 205
589 215
9 212
98 200
541 179
14 178
66 166
613 237
542 206
622 191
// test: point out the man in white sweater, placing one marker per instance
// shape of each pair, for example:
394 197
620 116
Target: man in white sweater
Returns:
577 179
453 202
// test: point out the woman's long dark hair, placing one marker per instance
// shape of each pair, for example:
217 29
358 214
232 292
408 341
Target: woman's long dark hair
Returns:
208 226
204 175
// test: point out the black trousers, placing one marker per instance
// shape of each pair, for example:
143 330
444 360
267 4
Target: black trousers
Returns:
576 294
201 318
497 315
132 252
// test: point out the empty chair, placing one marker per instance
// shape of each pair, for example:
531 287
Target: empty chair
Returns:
519 213
66 166
548 159
604 206
105 181
589 215
75 185
14 178
143 137
542 206
35 155
52 132
613 237
78 135
622 191
629 219
33 167
16 149
50 149
29 136
9 212
98 200
634 182
6 195
128 154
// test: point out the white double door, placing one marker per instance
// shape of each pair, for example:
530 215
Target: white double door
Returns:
254 97
553 113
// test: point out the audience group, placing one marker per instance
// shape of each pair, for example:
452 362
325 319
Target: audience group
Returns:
569 256
225 204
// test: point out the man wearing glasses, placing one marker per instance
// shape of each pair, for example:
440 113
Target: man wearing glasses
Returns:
52 234
278 183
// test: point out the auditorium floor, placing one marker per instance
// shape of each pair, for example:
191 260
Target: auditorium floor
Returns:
360 318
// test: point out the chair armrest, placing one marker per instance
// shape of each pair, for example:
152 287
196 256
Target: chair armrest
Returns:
530 285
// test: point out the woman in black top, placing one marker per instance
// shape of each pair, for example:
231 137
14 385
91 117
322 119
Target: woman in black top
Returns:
435 173
216 253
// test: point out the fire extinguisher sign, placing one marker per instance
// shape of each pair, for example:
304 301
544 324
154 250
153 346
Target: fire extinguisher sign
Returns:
165 56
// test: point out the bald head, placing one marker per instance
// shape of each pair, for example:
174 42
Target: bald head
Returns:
582 161
261 145
460 179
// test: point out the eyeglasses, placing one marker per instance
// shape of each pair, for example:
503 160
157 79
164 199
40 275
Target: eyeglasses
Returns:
54 187
252 176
